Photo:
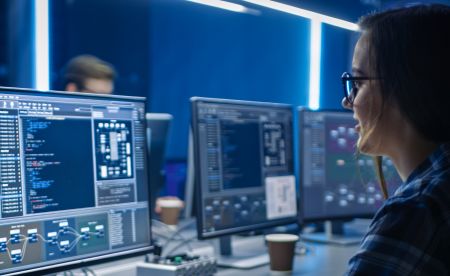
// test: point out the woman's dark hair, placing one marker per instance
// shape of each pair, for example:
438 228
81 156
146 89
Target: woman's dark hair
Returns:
409 50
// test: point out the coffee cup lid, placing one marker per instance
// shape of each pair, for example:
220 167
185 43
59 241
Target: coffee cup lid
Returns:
282 238
170 203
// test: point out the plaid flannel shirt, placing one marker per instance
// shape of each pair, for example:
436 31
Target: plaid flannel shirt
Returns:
410 234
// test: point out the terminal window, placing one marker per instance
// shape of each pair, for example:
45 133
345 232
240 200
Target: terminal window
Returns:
58 163
241 163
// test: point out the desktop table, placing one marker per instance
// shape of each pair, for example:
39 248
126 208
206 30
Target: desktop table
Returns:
326 260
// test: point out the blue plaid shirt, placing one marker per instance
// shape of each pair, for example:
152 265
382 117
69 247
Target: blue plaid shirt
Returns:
410 234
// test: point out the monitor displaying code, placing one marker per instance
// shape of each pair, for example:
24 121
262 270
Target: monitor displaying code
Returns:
73 178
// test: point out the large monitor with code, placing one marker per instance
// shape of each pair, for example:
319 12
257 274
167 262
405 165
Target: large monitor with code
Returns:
244 164
331 187
74 183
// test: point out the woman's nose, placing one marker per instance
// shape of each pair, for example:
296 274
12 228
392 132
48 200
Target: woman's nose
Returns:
346 104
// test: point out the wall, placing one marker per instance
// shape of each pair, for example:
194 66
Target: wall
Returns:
171 50
20 44
197 50
3 44
115 31
336 59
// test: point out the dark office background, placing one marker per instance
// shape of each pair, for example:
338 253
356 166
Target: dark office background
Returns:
171 50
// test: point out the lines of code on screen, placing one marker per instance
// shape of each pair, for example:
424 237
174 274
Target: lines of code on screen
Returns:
58 164
241 158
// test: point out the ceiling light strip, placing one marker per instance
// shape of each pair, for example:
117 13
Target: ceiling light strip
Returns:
224 5
307 14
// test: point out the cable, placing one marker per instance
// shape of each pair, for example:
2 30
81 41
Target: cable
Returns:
165 226
180 245
188 240
160 235
166 237
178 233
86 270
171 238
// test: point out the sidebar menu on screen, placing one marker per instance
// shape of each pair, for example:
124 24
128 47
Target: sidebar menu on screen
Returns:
10 170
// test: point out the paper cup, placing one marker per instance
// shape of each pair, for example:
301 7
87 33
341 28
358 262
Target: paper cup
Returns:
170 210
281 252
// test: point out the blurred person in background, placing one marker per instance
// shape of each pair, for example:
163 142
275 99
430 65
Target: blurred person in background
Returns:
89 74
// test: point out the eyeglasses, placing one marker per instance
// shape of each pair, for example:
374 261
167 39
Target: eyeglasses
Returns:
351 86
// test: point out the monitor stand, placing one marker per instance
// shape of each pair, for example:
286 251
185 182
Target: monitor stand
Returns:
335 234
240 258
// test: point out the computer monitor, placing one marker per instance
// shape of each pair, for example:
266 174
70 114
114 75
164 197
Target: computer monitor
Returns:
244 162
158 126
74 183
331 188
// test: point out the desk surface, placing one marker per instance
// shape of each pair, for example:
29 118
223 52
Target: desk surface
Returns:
326 260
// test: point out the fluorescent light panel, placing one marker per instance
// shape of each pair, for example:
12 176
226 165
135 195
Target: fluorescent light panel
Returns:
314 65
304 13
41 34
226 5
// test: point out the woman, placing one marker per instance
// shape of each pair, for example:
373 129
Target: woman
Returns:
400 96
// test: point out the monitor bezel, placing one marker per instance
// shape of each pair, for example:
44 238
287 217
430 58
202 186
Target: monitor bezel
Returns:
197 180
83 262
300 110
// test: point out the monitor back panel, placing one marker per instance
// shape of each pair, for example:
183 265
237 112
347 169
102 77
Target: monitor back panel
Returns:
158 126
72 171
244 164
331 186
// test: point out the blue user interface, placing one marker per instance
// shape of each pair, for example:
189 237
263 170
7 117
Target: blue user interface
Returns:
73 178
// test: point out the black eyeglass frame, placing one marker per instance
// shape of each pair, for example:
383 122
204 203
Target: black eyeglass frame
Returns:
354 91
